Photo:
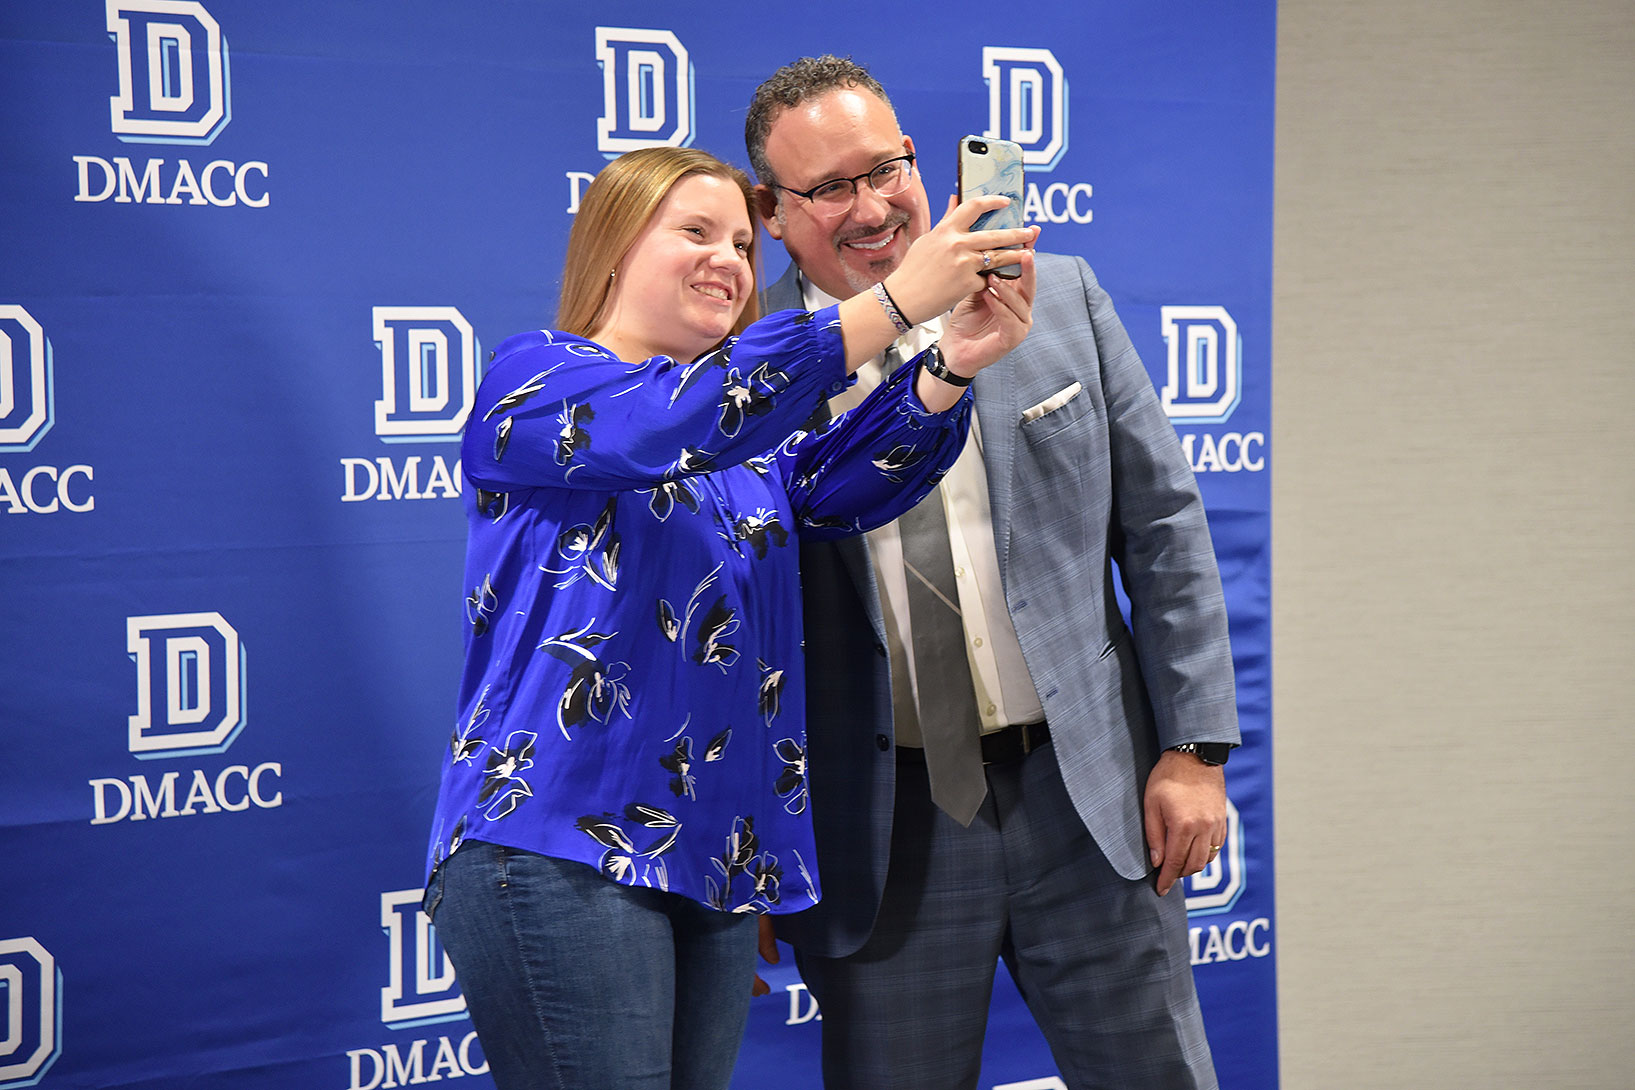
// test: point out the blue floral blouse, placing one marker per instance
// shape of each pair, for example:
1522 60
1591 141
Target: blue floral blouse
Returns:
633 693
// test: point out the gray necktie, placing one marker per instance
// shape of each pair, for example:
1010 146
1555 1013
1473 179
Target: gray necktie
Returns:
949 724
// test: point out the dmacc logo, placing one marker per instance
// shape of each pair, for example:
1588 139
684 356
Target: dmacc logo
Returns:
428 384
1203 384
1027 103
191 699
648 97
420 990
174 87
27 412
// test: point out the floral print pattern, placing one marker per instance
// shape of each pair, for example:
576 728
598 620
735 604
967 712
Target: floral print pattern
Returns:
633 687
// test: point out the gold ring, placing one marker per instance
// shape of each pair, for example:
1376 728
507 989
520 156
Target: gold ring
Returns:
1214 847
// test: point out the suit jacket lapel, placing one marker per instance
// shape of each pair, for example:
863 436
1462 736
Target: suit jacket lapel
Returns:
997 412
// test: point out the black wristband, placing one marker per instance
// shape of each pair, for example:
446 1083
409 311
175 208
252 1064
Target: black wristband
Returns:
931 359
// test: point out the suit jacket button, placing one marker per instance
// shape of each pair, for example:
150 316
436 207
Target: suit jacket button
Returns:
883 742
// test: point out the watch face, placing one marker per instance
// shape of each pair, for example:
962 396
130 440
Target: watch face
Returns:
1213 753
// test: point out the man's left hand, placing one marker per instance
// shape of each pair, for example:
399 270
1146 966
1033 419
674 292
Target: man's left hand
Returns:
1184 813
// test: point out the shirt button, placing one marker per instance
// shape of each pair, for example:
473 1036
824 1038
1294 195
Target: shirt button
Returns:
977 641
883 742
991 709
959 573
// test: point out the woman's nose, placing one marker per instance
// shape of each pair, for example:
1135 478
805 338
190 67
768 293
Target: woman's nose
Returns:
728 255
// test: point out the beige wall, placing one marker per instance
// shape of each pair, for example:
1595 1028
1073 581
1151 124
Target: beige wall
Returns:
1453 507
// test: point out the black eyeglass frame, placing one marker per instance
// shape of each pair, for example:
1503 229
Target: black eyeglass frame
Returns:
907 157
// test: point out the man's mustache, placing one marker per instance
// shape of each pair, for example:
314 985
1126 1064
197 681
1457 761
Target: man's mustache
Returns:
894 220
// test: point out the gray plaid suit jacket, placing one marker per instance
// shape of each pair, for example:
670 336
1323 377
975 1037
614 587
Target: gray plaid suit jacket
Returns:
1098 479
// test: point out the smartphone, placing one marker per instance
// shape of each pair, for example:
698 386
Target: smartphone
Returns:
993 166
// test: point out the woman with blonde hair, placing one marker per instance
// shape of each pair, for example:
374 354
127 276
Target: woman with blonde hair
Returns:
625 786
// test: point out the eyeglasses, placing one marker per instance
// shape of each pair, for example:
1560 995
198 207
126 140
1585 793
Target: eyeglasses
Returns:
836 196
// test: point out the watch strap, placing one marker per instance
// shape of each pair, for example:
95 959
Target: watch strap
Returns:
933 362
1210 753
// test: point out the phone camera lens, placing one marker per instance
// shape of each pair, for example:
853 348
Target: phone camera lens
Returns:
977 147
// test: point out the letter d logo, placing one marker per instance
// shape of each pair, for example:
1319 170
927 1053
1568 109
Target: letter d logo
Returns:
647 90
1205 378
30 1012
25 380
190 684
1027 102
173 81
421 986
428 374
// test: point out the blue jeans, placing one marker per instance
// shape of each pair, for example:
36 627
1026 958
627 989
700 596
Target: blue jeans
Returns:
576 982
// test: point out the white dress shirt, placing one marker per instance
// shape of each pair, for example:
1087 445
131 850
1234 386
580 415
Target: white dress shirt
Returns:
1005 693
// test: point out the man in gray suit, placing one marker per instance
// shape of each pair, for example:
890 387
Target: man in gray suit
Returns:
1033 786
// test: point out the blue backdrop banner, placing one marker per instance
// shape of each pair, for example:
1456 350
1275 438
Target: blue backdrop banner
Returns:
251 259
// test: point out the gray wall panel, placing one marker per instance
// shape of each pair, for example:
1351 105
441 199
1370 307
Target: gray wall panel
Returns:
1454 610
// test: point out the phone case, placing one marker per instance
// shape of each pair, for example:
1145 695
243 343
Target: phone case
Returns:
998 169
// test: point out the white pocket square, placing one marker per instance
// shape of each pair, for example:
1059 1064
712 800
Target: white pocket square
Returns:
1052 403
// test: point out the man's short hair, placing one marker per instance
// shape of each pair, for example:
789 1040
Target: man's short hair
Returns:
791 85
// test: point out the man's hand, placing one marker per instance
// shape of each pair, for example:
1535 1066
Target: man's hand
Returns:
981 329
768 946
1184 813
989 323
945 264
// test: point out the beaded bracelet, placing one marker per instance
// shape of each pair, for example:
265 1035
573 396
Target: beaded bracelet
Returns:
890 306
